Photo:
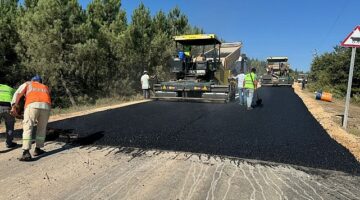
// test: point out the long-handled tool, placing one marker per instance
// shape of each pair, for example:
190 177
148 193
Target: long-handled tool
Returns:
258 100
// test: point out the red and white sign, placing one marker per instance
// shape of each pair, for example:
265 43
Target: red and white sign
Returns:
353 39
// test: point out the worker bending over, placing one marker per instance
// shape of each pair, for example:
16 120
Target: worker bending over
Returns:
37 112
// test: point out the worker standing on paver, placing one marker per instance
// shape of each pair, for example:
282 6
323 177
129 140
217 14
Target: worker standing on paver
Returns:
250 84
6 95
240 82
37 112
145 86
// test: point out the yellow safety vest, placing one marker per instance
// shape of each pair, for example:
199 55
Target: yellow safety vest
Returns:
187 51
249 80
6 93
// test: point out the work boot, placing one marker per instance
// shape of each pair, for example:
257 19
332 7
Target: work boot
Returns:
11 145
26 156
38 151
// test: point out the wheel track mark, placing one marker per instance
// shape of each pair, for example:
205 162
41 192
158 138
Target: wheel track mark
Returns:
269 184
229 183
185 181
297 185
145 178
342 187
127 182
85 186
276 185
253 194
128 173
212 181
195 186
312 188
104 188
251 169
194 180
343 193
216 181
288 186
120 188
327 188
349 192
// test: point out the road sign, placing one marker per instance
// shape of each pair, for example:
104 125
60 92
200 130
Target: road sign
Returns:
353 39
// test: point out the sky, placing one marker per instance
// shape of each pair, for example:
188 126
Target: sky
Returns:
294 28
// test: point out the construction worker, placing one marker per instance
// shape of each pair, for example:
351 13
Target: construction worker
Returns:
37 111
250 84
6 95
145 86
187 51
240 82
303 82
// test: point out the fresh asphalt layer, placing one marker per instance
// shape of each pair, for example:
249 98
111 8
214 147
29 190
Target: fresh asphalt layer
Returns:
280 131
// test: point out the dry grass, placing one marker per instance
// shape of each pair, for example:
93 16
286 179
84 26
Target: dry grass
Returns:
326 113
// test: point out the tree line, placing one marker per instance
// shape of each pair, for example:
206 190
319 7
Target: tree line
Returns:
330 71
86 54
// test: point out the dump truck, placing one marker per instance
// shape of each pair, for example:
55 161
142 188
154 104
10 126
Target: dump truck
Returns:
202 69
277 72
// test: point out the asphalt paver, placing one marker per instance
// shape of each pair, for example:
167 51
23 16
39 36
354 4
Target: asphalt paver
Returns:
281 130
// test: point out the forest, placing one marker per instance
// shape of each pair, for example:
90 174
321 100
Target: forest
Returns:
84 54
330 71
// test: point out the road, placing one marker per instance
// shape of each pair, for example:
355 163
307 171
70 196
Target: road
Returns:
187 150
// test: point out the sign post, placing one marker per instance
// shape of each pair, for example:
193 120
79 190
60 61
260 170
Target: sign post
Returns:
352 40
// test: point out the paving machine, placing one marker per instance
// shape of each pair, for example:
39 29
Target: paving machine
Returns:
201 68
277 72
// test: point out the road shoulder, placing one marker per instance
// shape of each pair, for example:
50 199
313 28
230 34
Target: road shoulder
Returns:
349 141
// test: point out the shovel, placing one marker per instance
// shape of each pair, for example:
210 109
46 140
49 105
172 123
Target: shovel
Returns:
258 100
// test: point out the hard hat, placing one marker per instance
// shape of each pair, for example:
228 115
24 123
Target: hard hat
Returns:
145 72
37 78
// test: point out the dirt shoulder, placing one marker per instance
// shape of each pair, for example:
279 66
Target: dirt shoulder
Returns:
58 117
328 115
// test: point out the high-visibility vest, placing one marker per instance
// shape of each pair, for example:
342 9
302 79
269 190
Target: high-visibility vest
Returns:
37 92
187 51
249 81
6 93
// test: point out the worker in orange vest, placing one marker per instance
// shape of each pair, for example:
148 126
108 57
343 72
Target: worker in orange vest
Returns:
37 112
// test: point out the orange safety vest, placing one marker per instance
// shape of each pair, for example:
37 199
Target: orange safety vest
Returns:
37 92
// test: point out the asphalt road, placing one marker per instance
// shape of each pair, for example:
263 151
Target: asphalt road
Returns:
280 131
182 150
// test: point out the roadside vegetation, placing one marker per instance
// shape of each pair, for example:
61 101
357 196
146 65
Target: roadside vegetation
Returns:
330 71
86 54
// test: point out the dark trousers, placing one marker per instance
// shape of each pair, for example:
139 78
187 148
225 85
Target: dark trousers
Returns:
146 93
9 123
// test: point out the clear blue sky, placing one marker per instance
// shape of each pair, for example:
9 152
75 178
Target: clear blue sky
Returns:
293 28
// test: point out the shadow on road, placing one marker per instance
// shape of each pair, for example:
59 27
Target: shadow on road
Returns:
281 130
89 139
